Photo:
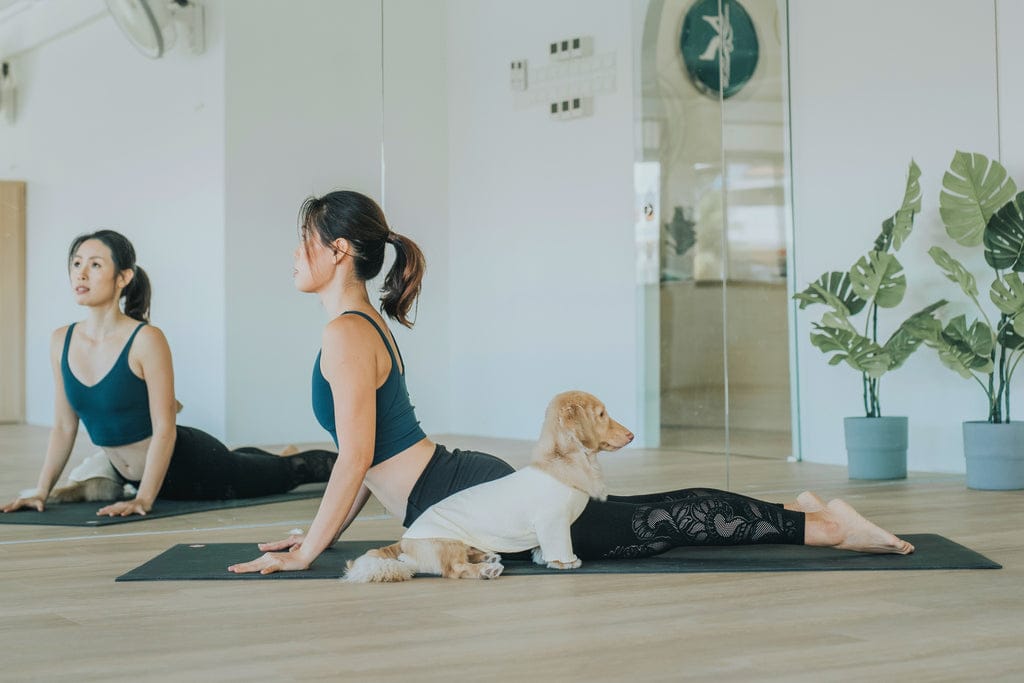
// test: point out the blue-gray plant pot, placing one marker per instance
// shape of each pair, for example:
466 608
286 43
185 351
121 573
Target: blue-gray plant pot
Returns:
995 455
876 447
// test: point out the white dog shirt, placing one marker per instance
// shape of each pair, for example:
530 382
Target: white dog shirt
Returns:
523 510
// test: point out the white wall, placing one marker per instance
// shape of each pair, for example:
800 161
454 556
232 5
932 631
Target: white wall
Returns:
542 289
1010 14
889 86
416 190
108 138
303 112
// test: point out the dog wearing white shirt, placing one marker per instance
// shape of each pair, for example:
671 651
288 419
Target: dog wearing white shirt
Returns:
463 535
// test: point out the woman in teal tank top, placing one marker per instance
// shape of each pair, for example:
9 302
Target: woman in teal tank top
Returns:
358 398
113 373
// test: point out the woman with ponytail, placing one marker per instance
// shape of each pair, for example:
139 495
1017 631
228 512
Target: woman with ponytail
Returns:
113 372
359 394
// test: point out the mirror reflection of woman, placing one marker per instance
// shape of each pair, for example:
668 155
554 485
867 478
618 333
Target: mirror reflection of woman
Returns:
113 372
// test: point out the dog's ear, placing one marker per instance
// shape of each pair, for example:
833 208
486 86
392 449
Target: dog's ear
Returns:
574 418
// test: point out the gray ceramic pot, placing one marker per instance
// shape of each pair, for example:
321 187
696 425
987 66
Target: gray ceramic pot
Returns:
876 447
995 455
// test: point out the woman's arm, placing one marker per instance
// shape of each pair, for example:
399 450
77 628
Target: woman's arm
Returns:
349 363
294 541
62 436
357 506
154 357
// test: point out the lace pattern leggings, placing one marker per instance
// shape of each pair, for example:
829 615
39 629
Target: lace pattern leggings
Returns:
202 468
628 526
641 526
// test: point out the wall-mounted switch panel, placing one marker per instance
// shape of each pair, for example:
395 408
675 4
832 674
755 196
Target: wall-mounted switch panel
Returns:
571 48
571 108
519 75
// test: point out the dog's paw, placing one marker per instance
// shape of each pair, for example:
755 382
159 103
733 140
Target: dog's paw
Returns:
491 558
538 556
492 570
555 564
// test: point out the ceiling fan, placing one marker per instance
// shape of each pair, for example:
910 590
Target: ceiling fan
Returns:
152 25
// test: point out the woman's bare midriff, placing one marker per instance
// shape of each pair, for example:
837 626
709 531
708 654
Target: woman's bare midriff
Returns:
129 459
392 480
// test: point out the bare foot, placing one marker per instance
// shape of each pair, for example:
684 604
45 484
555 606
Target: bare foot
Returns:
858 534
809 502
289 450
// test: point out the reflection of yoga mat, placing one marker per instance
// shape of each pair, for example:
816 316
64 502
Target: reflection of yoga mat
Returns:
210 561
84 514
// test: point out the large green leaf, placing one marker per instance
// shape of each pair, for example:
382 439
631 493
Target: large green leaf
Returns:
963 349
859 352
1010 337
974 189
955 271
896 229
879 276
832 289
1004 237
1008 294
915 330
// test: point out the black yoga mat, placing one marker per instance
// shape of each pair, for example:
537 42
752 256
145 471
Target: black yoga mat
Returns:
84 514
210 561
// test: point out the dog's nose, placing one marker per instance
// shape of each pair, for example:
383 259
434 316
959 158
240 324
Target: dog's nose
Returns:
629 436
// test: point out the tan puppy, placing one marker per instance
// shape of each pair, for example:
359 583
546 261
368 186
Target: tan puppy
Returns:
461 536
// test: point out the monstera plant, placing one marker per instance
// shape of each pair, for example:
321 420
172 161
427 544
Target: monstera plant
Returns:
980 207
875 281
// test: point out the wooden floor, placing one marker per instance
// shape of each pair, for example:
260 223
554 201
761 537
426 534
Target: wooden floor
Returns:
64 618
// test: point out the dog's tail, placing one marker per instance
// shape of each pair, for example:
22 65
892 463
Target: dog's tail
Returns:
383 565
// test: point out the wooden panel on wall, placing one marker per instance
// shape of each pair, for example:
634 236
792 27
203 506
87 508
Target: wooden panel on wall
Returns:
12 301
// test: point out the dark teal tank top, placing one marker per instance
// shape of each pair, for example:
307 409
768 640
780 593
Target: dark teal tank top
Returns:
115 410
397 426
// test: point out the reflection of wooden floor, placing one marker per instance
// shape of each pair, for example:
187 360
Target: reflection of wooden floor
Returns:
758 420
758 443
65 618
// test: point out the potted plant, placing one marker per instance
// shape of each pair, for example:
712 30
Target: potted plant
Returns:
979 207
876 446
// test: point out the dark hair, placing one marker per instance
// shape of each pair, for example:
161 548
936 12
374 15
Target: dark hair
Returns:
359 220
137 294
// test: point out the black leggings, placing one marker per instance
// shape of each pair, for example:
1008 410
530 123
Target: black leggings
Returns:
627 526
202 468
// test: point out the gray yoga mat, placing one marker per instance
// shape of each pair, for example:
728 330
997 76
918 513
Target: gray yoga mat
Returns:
84 514
205 561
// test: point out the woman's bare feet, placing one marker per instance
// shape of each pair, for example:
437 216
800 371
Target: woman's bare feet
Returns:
806 502
838 525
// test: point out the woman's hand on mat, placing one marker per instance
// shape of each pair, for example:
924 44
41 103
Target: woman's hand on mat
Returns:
125 508
272 562
36 502
292 543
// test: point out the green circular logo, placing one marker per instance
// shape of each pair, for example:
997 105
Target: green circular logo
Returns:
720 51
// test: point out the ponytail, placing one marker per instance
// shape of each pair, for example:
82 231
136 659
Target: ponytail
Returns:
136 296
352 216
405 279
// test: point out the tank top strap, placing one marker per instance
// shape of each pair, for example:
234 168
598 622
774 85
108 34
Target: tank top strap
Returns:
134 332
67 345
384 338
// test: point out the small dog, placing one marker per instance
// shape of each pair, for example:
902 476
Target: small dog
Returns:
461 536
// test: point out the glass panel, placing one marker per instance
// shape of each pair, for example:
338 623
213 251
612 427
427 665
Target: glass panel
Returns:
679 150
757 210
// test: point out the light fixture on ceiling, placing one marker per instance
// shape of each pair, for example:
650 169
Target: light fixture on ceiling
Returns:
152 25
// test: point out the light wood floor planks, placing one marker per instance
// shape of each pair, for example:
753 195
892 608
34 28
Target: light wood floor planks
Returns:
63 617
